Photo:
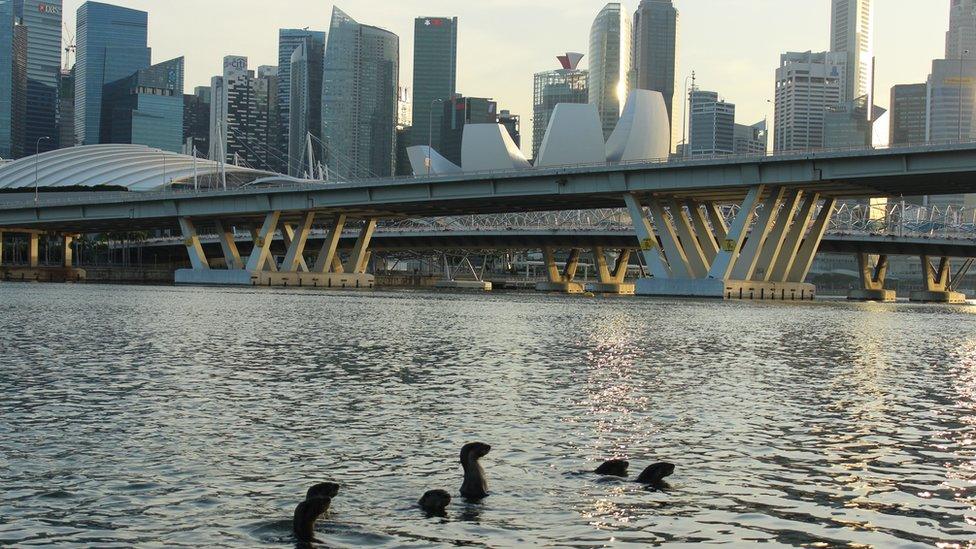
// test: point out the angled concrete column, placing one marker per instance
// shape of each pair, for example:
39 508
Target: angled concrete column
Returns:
228 245
745 264
610 282
653 257
337 266
872 280
67 254
673 251
808 250
561 281
774 242
261 252
198 260
719 227
938 284
794 238
689 241
706 237
732 244
327 255
357 259
295 240
269 263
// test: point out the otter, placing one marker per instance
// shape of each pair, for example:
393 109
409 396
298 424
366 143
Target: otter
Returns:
654 474
323 490
613 467
474 487
307 512
434 502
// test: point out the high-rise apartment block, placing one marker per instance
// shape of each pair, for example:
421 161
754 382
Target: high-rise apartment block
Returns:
111 43
359 98
568 84
712 125
434 74
908 114
655 48
806 84
146 108
610 77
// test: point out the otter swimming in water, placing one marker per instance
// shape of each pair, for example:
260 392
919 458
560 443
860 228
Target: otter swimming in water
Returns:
655 473
434 502
475 486
323 490
307 512
613 467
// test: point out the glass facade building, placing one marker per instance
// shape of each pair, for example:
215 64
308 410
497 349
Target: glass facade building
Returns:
6 77
305 71
852 33
655 50
549 89
434 73
610 64
288 41
196 121
111 43
359 98
712 125
908 103
243 111
145 108
43 22
951 97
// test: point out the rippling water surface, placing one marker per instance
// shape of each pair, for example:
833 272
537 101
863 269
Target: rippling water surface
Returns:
197 417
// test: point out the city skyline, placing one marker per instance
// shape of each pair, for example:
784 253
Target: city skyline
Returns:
743 74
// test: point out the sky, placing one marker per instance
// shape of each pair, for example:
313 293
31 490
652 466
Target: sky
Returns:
732 45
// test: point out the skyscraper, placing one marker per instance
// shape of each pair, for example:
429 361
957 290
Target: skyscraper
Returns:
434 73
288 42
6 78
145 108
655 50
111 43
550 88
459 112
359 98
751 139
196 121
43 22
951 98
712 125
610 64
806 84
305 105
908 119
961 37
242 114
852 33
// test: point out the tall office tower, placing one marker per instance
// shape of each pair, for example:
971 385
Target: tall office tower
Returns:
145 108
242 109
852 33
961 37
7 59
66 109
271 156
43 22
568 84
196 121
908 119
111 43
458 112
513 125
751 139
305 104
712 125
610 64
851 124
434 74
806 84
403 135
288 41
655 51
359 98
950 101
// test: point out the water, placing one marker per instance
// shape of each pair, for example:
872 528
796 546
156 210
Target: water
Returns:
159 416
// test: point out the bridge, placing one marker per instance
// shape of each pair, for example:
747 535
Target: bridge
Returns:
783 206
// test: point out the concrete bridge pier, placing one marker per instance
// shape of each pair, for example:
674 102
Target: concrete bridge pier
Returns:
765 254
872 281
260 267
939 282
610 281
561 281
33 271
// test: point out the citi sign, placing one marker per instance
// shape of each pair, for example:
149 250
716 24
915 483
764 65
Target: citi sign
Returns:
48 8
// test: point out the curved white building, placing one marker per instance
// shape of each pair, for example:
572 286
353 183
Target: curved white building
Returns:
133 167
574 136
643 132
486 147
438 164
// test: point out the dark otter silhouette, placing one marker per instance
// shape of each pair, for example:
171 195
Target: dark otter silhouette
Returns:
307 512
654 474
323 490
434 502
475 486
613 467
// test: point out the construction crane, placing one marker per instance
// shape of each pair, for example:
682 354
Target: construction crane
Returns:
69 47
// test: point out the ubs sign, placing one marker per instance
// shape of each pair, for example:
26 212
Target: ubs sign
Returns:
49 9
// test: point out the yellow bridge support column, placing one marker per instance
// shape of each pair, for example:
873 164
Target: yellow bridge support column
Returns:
938 283
328 258
872 280
561 281
611 282
198 260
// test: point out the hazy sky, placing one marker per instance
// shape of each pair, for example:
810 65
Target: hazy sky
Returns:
733 45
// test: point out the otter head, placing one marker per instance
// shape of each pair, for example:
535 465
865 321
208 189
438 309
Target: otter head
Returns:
434 502
323 490
474 451
307 512
655 473
613 467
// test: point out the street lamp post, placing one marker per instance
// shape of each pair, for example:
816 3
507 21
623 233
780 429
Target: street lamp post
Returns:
37 148
430 131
